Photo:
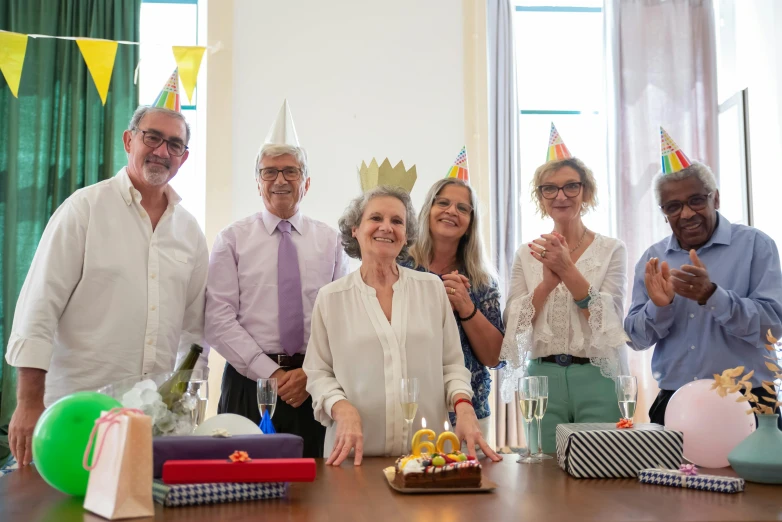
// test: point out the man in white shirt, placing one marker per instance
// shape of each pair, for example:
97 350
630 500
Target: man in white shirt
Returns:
116 287
264 273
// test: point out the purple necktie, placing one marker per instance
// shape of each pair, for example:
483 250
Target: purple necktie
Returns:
291 316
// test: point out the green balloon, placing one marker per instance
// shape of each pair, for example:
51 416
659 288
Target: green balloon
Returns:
61 436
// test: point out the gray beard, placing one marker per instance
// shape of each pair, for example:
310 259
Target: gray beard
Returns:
155 175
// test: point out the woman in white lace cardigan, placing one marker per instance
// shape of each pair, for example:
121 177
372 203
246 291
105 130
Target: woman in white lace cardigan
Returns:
565 308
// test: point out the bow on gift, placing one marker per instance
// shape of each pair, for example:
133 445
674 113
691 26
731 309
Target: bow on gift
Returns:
624 423
688 469
111 418
239 456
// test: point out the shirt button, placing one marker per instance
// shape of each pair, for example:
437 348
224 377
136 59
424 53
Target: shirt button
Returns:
692 316
153 307
152 276
694 378
712 308
142 214
692 347
149 341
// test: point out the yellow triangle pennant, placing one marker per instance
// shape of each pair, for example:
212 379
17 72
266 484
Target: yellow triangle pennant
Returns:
13 47
188 60
99 56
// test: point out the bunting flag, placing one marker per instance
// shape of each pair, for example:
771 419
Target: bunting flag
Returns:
460 169
188 61
13 47
169 96
671 156
99 56
557 150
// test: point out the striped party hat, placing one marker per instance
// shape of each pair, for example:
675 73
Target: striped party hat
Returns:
169 96
557 150
460 170
673 159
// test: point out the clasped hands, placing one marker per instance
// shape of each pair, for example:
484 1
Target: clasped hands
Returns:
690 281
553 252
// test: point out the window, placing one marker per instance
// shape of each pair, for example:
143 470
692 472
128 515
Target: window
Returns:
163 24
559 56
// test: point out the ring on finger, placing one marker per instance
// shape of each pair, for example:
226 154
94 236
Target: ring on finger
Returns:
543 254
451 291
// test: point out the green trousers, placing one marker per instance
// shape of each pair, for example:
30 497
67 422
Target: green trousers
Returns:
576 393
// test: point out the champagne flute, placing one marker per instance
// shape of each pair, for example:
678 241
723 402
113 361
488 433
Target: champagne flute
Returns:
540 411
408 397
199 389
267 396
529 394
626 394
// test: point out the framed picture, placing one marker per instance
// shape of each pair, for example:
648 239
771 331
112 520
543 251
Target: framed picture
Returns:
735 176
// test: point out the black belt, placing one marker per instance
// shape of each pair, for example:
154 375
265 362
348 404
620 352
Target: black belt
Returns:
565 360
287 361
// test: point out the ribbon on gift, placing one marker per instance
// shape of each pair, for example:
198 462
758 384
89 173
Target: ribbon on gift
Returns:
624 424
111 419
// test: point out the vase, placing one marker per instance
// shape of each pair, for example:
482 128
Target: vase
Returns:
758 458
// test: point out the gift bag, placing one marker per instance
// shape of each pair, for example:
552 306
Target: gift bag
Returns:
120 483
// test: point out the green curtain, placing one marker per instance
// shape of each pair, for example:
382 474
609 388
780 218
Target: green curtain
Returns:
56 137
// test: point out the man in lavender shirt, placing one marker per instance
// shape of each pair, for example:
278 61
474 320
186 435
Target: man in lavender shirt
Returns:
264 274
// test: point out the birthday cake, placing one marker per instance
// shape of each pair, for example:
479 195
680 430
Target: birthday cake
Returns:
437 468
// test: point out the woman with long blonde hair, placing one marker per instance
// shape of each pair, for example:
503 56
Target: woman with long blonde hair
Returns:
449 245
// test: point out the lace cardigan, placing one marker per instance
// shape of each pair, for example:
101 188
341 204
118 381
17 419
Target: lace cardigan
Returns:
560 327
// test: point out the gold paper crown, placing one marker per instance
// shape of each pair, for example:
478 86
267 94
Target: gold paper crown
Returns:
372 176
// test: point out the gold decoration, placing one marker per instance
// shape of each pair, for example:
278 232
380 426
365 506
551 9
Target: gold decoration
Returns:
373 175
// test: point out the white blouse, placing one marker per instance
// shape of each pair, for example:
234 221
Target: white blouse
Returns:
354 353
560 327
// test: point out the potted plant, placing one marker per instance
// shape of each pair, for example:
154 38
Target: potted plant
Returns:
758 458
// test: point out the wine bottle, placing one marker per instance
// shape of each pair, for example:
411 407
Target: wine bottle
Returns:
174 388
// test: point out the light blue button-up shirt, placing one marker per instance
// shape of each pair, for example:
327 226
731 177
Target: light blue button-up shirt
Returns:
695 342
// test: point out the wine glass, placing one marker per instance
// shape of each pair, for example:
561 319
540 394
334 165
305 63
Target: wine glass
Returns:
267 396
529 394
540 411
626 394
199 388
408 397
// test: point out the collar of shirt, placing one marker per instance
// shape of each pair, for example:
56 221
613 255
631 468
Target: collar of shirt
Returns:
129 192
721 236
270 222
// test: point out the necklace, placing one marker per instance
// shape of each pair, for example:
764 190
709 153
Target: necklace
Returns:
581 241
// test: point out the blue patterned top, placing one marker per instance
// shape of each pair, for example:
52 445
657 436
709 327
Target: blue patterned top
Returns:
487 299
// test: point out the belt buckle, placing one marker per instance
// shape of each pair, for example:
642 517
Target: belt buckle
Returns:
564 359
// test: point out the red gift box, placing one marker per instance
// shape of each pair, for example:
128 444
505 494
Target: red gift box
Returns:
260 470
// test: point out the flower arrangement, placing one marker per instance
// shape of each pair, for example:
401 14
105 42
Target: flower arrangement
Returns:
726 383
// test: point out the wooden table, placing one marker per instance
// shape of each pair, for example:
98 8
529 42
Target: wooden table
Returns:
535 493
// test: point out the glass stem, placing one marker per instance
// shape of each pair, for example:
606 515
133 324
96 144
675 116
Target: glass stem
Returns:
529 442
540 443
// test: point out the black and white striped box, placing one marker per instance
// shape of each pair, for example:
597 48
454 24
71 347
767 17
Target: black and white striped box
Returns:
593 450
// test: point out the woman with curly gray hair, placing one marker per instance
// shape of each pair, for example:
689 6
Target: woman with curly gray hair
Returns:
377 326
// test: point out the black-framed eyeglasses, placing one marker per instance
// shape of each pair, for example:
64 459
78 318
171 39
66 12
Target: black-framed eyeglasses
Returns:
175 148
696 203
289 173
444 203
570 190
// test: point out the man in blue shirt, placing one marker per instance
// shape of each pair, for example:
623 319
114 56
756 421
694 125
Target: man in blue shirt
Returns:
707 294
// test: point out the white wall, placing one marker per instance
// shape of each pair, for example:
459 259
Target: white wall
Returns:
363 79
750 50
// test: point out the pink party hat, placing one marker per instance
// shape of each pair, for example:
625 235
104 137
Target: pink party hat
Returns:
460 170
672 157
557 150
169 96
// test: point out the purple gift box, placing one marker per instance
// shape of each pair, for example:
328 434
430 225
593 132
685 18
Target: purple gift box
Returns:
274 446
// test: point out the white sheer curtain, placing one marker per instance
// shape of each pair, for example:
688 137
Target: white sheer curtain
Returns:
663 72
504 159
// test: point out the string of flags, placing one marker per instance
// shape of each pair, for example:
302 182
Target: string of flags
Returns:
98 54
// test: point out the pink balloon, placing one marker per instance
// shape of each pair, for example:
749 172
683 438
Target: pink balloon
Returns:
712 425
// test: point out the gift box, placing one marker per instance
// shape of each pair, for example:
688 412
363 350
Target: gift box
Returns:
227 471
605 451
200 494
677 479
276 446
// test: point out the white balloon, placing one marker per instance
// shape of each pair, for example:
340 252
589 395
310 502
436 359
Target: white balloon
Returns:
234 424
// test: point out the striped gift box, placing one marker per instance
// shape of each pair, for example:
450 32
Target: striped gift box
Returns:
677 479
594 450
174 495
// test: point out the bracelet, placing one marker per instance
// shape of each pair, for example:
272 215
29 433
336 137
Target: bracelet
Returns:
584 303
474 311
455 404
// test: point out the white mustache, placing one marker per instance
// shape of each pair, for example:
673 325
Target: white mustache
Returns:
159 161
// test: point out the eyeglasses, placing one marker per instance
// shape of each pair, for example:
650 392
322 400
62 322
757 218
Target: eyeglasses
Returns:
445 203
696 203
175 148
571 190
289 173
